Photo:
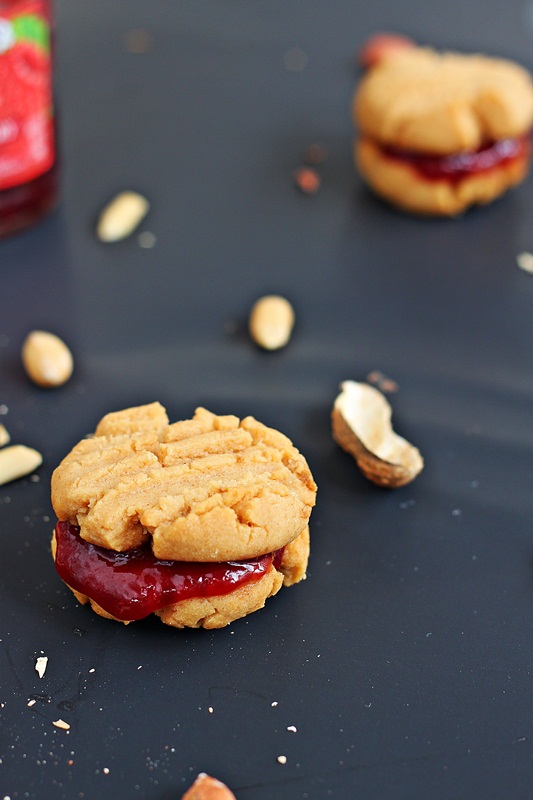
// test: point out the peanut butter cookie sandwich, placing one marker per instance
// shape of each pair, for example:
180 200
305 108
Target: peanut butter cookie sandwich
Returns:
197 522
440 132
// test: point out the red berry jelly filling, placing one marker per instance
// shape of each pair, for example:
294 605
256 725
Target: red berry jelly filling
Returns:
468 162
133 584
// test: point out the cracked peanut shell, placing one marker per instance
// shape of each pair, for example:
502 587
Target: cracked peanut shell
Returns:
361 425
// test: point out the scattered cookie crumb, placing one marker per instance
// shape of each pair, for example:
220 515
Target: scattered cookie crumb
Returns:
307 180
146 240
210 709
138 41
292 728
31 703
525 261
315 154
274 703
106 770
60 723
281 759
295 59
383 383
40 665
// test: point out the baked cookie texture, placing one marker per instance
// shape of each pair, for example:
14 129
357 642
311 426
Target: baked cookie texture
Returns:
440 104
208 489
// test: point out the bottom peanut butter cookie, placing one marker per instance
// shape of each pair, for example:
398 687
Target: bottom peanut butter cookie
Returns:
198 522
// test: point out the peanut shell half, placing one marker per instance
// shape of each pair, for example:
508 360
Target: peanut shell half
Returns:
361 424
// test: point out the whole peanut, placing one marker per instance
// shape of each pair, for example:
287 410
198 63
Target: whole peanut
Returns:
46 358
16 461
271 322
122 216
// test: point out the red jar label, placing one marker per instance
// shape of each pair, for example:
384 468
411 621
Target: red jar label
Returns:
26 113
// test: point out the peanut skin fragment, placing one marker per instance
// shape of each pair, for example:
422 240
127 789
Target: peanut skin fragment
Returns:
46 358
361 425
207 788
382 46
271 322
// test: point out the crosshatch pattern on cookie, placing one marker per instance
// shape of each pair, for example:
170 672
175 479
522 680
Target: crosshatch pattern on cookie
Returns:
211 488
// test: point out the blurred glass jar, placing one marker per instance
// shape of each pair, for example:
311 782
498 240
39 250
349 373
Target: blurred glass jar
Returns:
28 164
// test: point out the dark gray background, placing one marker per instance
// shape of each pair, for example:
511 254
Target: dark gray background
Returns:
404 660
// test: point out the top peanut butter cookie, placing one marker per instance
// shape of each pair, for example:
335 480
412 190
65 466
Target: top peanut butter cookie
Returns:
211 488
439 132
441 103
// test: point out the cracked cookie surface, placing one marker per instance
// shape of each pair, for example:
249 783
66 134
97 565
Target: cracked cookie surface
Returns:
211 488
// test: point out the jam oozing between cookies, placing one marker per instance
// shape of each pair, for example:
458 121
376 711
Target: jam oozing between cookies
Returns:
466 163
133 584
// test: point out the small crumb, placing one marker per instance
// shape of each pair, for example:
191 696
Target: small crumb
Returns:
282 759
210 709
70 762
295 59
525 261
40 665
31 703
274 703
383 383
138 41
60 723
3 409
92 670
292 728
307 180
140 666
106 770
146 240
315 154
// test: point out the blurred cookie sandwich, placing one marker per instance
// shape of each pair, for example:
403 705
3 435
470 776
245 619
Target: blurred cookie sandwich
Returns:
440 132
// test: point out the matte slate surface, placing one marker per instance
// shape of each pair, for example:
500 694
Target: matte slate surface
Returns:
404 660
